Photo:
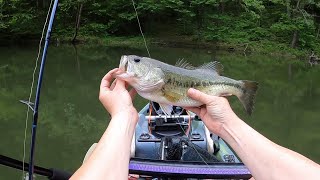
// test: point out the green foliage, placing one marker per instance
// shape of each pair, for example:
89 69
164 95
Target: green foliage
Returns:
95 28
295 19
230 21
253 6
16 18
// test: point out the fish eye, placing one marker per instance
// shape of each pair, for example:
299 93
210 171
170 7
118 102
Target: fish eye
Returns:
136 60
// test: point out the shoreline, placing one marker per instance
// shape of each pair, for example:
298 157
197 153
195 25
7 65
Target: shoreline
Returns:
260 47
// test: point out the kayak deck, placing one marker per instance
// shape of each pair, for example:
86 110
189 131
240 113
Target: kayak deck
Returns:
154 136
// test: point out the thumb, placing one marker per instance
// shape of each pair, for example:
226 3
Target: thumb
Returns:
199 96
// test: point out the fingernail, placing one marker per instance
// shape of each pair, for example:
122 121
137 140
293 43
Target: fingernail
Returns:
192 91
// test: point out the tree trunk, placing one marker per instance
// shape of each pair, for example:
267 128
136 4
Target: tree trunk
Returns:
199 18
77 26
295 39
318 32
288 8
222 7
298 5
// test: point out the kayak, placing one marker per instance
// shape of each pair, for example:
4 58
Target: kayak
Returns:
180 145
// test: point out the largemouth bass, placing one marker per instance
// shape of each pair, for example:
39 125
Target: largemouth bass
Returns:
168 85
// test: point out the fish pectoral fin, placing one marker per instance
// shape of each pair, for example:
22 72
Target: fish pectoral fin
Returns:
166 108
172 96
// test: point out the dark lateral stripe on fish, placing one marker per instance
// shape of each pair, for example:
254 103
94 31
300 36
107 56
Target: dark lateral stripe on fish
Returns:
174 81
238 86
186 84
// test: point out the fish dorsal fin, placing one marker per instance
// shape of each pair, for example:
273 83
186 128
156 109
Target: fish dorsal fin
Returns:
212 66
184 64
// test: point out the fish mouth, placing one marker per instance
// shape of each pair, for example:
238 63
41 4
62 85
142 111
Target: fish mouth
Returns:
123 63
123 73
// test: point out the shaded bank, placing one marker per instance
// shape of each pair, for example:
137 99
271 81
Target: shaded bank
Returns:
257 47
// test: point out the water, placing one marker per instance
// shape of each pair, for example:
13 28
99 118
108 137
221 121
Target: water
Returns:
71 117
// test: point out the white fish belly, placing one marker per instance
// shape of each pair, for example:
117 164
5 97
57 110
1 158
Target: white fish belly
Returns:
159 98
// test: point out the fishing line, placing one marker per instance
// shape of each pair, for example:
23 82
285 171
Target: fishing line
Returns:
31 89
144 39
192 145
145 43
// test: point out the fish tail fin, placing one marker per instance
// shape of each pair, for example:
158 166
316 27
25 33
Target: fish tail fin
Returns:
248 96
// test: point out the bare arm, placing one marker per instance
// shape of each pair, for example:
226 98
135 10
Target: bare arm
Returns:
265 159
110 158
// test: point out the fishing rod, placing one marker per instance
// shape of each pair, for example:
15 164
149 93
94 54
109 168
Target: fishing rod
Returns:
37 99
153 168
52 174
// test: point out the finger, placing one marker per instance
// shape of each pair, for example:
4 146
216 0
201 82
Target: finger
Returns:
132 93
120 84
113 84
105 82
194 109
199 96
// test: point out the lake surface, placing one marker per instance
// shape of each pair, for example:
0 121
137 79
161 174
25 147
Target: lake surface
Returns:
71 117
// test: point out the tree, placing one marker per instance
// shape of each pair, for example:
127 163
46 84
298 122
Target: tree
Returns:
296 21
77 23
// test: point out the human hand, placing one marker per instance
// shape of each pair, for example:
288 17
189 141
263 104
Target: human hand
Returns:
215 112
116 98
